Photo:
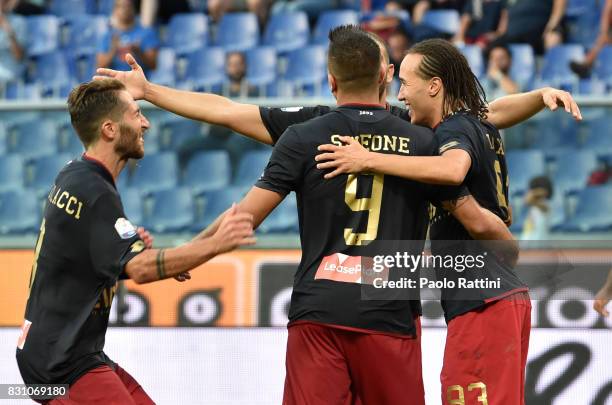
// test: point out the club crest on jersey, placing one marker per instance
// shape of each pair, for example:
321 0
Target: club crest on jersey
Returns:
124 228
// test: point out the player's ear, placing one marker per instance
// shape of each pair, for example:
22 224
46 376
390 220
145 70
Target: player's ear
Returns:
390 72
109 130
333 85
435 86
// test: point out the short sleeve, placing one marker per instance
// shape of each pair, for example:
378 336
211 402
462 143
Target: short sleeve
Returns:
285 169
454 137
149 40
437 194
277 120
113 240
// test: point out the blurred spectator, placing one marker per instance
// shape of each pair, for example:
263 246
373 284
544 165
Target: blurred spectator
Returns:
12 36
159 11
23 7
536 225
398 44
537 23
583 69
601 175
127 36
422 6
481 22
216 8
235 70
498 82
382 18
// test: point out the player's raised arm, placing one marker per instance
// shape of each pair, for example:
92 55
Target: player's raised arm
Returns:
210 108
236 229
515 108
448 169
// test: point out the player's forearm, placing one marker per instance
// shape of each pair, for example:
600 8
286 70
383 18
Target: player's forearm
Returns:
104 60
426 169
211 108
210 229
510 110
158 264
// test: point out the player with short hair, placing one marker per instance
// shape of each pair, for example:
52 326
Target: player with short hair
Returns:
341 346
86 244
488 328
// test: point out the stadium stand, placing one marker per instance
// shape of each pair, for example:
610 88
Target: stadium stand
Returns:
171 210
287 31
207 171
19 212
187 32
156 171
238 32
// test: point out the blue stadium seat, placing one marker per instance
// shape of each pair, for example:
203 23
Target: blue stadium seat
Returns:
174 133
573 170
165 72
85 32
473 54
157 171
591 87
556 63
446 21
66 8
70 143
208 171
206 68
172 211
603 65
284 218
583 28
307 66
329 20
82 67
558 212
3 141
592 211
251 167
52 72
105 6
238 32
554 130
523 63
31 139
523 165
43 34
42 171
287 31
11 172
214 203
187 32
20 212
600 137
132 205
261 66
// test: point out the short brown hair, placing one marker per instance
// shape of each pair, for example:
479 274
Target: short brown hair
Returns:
90 103
353 58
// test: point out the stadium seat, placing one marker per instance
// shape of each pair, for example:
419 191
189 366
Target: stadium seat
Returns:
523 165
165 72
42 171
187 32
261 66
307 66
105 7
599 135
3 141
556 63
11 172
591 87
283 219
70 143
603 65
175 133
208 171
43 34
32 139
66 8
19 212
157 171
214 203
473 54
523 63
132 205
171 210
82 66
85 32
573 170
206 68
554 130
592 211
329 20
287 31
251 167
52 72
446 21
238 32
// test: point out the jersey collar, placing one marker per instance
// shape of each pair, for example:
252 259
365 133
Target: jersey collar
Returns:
99 167
363 105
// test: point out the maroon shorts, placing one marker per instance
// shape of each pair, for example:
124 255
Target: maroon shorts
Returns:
486 354
103 385
328 365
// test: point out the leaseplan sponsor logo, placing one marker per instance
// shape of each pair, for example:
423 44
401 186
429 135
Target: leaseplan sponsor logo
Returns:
347 269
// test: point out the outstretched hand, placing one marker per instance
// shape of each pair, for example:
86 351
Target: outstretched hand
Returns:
555 98
351 157
134 79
